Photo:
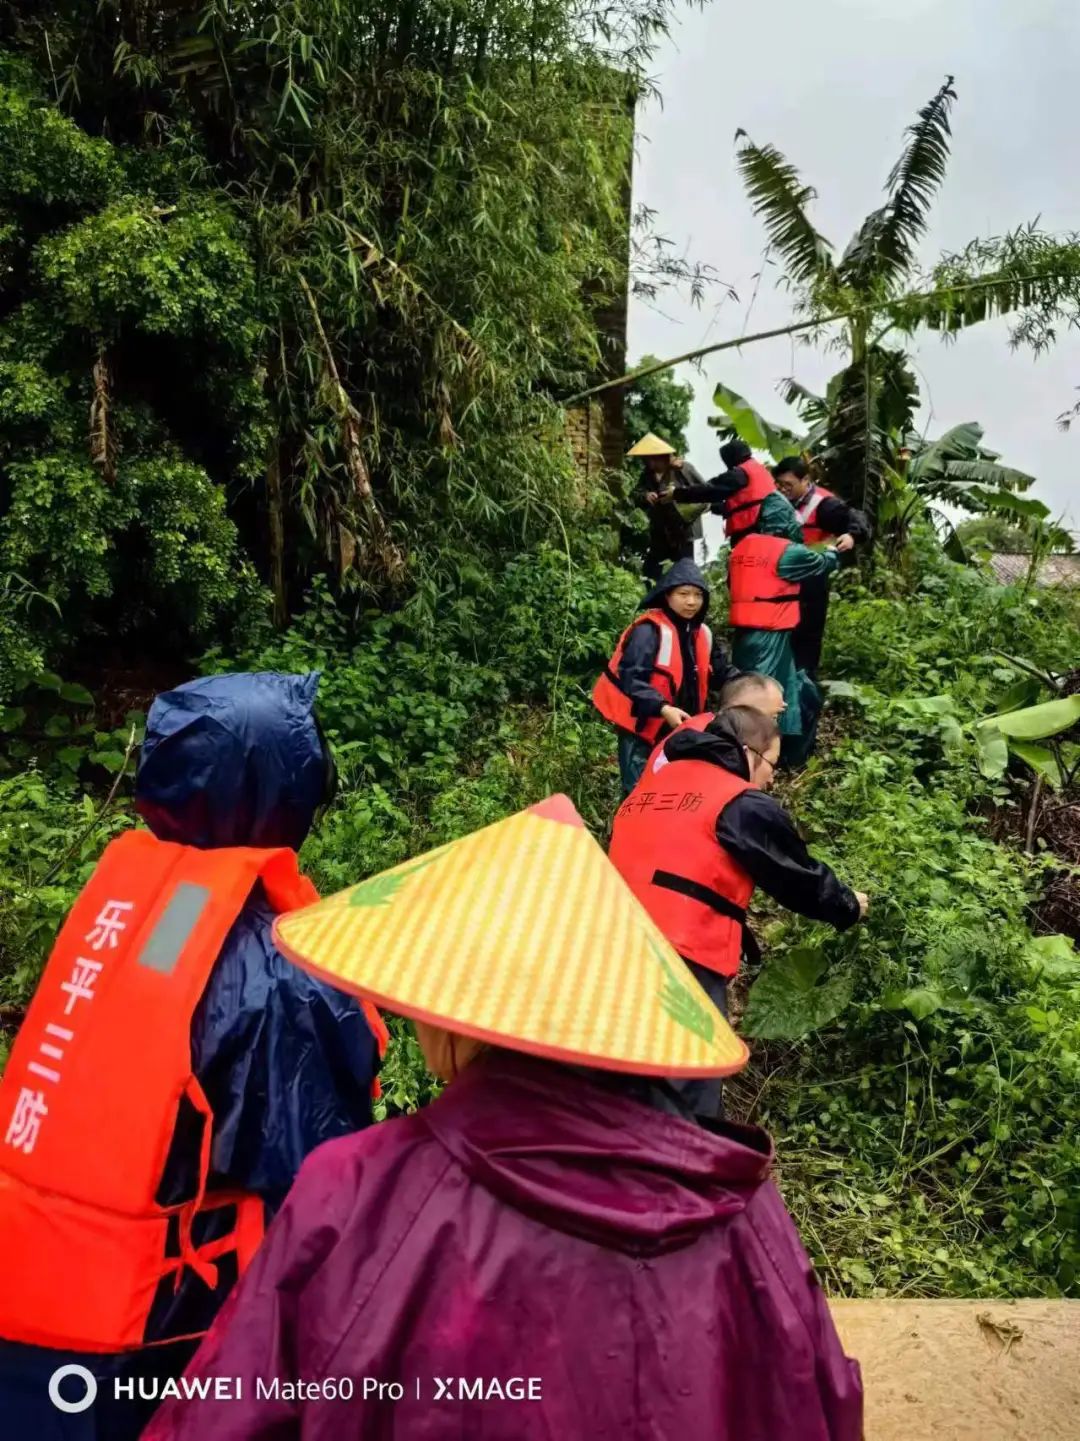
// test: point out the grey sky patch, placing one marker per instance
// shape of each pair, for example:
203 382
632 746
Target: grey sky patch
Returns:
833 85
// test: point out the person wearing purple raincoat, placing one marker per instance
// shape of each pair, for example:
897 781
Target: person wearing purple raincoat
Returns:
547 1252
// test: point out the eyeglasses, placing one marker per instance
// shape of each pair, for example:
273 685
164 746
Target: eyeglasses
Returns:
765 758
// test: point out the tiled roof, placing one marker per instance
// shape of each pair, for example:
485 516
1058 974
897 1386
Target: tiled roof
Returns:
1054 570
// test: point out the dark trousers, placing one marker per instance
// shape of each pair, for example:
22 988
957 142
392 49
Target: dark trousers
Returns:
663 552
809 634
633 754
705 1095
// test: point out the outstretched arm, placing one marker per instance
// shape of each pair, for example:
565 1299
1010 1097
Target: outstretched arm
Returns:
799 563
758 832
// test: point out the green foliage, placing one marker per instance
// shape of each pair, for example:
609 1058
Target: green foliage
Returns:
316 290
927 1135
993 533
1027 274
658 403
787 1001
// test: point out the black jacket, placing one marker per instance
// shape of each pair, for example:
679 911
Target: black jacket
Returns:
639 657
757 832
667 528
717 490
838 518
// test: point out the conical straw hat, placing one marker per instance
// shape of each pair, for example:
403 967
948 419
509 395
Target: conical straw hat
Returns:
525 935
651 445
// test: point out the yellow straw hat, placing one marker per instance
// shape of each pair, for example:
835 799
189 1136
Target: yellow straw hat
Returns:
525 935
651 445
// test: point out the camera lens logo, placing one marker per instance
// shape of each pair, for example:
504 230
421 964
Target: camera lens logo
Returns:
86 1377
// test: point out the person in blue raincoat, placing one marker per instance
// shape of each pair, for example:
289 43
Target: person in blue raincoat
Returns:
285 1060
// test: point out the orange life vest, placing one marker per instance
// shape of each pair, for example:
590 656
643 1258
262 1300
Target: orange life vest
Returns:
612 701
91 1093
760 598
740 511
658 760
807 509
664 845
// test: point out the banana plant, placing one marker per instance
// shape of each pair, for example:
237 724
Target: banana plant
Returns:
1033 734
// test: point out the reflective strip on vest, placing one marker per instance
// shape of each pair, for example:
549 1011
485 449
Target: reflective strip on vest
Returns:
760 598
658 760
807 509
740 511
664 845
89 1100
612 701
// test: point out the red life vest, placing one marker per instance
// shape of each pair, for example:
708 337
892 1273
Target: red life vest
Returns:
760 598
91 1093
740 511
658 760
807 509
664 845
613 703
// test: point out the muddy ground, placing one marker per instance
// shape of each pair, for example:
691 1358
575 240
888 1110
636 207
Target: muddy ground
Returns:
966 1370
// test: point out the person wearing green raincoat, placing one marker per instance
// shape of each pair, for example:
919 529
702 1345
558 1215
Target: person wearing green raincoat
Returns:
764 578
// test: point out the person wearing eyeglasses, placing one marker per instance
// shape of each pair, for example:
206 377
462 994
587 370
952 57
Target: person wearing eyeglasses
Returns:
696 838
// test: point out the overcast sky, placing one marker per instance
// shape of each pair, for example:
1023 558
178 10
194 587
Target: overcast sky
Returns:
832 85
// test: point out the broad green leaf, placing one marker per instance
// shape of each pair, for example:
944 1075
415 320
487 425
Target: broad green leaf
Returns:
787 1001
76 694
758 433
1000 500
918 1001
841 690
1040 759
1024 692
951 732
992 751
1056 956
11 717
931 705
1036 722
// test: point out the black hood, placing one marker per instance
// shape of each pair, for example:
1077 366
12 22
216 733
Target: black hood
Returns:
721 749
683 572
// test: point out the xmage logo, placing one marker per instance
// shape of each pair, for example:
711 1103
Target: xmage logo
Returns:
491 1388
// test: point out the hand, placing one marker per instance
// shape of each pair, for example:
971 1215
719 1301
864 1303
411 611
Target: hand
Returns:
651 497
671 715
864 904
845 543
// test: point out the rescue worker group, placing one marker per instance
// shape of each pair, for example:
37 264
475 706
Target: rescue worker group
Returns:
191 1183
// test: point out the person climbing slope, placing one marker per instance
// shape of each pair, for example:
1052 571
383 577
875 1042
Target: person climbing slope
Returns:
552 1248
738 494
173 1070
825 519
662 668
664 477
766 568
696 837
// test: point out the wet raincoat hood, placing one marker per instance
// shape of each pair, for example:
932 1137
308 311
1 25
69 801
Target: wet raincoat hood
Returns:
233 760
717 744
683 572
595 1171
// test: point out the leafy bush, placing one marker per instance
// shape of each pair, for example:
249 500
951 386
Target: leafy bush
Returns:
928 1133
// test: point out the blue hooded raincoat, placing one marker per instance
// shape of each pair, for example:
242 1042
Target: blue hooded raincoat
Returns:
285 1060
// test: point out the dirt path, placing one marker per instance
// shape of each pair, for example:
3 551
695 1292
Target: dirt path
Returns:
966 1370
